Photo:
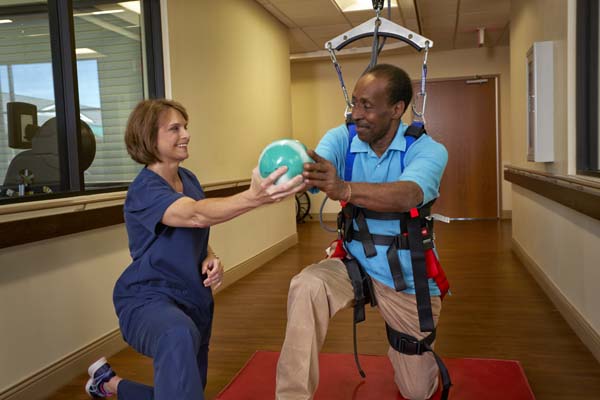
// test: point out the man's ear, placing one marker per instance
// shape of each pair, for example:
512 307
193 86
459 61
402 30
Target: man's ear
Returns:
398 109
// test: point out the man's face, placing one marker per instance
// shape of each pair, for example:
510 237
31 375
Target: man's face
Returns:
372 112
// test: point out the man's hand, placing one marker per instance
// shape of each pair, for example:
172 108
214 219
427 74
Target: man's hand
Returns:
322 174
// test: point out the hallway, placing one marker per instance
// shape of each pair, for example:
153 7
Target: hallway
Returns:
496 310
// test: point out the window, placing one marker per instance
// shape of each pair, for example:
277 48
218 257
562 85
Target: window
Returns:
108 47
25 78
588 87
58 141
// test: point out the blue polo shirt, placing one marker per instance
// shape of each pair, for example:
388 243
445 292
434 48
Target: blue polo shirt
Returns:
424 164
166 261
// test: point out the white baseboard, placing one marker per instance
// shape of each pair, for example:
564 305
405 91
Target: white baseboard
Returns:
46 381
236 273
588 335
51 378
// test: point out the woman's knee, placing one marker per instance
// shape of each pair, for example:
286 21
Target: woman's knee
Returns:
182 338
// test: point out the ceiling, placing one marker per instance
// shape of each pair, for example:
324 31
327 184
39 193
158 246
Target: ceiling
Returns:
450 24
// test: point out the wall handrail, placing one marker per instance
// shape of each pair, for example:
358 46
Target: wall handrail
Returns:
21 223
582 195
574 182
89 199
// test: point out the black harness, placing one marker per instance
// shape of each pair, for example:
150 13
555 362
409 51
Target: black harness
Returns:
417 236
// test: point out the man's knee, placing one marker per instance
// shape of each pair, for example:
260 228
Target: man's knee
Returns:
306 283
417 390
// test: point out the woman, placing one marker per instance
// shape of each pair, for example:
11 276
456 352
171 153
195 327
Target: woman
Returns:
163 299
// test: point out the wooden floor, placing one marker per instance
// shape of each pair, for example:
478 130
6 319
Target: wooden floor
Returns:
496 311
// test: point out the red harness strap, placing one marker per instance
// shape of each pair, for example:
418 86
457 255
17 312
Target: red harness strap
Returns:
435 272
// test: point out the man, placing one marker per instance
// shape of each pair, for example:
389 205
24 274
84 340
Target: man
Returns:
387 180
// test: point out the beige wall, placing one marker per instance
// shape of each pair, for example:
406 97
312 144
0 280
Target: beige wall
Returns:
318 103
229 66
534 21
563 244
56 297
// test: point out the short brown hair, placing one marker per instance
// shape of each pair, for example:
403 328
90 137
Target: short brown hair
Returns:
142 129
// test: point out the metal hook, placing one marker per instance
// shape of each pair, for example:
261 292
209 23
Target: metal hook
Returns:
377 5
422 93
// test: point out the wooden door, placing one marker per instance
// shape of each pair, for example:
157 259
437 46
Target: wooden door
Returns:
461 114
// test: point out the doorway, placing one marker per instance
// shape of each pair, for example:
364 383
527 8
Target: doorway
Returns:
462 114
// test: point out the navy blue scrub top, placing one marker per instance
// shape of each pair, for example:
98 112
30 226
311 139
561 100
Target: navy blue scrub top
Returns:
166 260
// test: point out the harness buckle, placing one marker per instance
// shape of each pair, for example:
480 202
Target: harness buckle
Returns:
417 349
438 217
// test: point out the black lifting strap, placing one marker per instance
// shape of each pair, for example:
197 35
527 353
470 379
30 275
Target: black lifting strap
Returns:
368 245
409 345
367 240
395 267
414 225
363 294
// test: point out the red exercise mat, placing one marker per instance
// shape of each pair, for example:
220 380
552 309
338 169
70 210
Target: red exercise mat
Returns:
472 379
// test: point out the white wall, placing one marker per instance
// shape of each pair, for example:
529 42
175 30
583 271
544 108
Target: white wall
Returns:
563 244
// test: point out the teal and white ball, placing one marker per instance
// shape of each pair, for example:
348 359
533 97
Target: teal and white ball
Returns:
288 152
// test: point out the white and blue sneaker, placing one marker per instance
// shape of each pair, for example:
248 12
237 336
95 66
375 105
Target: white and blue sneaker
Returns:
100 373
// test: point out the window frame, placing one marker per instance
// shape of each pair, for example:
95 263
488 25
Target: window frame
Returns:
64 70
588 131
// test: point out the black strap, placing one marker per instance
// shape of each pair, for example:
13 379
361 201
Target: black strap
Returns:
400 241
363 294
413 228
361 288
367 242
417 256
396 268
409 345
350 213
446 382
425 211
415 130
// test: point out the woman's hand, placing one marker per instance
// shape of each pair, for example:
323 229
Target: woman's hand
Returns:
265 191
212 267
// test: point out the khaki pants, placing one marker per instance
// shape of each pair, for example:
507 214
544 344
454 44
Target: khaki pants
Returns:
316 294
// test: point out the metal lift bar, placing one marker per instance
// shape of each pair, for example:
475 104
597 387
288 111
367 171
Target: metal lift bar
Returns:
386 29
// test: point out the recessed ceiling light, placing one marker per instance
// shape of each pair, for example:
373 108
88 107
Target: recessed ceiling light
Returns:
358 5
5 21
84 50
131 6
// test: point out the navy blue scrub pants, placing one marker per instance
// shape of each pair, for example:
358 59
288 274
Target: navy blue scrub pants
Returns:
176 338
